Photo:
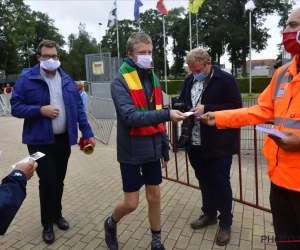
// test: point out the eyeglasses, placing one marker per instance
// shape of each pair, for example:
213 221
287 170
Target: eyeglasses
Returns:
47 57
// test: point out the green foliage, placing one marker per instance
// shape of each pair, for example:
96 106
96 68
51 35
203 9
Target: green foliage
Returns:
79 46
233 28
23 30
175 20
109 41
44 28
173 86
258 85
86 88
222 28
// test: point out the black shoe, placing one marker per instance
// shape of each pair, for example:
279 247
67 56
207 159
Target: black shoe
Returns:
62 224
158 248
110 236
48 234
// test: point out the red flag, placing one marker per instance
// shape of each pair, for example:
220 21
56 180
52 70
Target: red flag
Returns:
162 7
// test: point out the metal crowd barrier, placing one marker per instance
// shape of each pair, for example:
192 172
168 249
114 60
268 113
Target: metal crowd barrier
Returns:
5 104
101 114
250 183
248 173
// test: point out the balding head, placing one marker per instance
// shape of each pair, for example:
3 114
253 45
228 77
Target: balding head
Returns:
293 23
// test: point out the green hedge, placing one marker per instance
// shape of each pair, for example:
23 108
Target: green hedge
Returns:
258 85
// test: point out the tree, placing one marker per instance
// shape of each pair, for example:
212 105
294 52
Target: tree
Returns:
232 28
109 41
22 31
44 29
150 23
283 11
15 22
79 46
176 20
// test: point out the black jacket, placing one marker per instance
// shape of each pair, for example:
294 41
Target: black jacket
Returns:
12 195
221 92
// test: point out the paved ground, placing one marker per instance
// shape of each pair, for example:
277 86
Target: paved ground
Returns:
93 188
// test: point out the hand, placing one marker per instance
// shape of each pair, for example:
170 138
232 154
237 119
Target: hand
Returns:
164 163
49 111
199 109
176 116
208 118
290 143
92 139
27 168
187 69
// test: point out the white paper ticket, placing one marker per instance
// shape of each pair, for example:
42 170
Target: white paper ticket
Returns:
34 156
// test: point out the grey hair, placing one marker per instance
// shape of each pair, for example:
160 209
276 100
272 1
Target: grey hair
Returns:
80 83
197 54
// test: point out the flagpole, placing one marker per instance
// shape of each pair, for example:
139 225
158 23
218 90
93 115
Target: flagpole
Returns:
139 25
197 30
117 29
250 45
165 52
190 25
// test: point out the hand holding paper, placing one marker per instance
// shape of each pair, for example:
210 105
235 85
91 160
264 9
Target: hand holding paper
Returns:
27 168
192 113
34 156
270 131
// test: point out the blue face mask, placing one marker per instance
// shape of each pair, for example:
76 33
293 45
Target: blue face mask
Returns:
200 77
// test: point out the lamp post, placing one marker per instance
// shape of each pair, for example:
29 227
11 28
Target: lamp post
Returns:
100 38
250 6
101 77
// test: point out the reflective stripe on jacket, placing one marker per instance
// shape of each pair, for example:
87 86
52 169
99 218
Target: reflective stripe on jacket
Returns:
280 102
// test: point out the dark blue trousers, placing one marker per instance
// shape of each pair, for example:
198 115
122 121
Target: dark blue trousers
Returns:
214 180
285 206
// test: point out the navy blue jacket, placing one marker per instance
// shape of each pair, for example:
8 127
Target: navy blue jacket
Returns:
221 92
31 92
138 149
12 195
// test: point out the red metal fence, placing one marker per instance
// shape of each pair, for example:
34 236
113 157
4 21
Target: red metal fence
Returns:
250 183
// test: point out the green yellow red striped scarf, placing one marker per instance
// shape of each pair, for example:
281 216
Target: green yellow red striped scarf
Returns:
138 96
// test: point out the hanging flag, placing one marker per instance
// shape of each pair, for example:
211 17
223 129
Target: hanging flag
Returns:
194 5
250 5
112 19
162 7
137 5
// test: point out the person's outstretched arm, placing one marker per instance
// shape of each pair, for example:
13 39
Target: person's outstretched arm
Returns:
13 192
12 195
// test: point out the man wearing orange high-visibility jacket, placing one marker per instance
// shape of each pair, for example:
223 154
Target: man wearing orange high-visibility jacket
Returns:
279 102
141 137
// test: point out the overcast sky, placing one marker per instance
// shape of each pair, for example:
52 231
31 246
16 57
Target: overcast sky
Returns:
68 15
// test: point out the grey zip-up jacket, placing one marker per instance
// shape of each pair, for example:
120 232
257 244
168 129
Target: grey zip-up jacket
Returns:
138 149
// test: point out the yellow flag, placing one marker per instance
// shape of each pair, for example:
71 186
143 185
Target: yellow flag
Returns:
194 5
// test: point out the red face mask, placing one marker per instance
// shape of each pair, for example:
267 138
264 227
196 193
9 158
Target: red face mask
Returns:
79 87
291 42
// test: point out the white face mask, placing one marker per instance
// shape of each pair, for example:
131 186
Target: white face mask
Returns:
144 61
50 64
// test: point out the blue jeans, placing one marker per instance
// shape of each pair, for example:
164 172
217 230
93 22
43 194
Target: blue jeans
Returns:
214 179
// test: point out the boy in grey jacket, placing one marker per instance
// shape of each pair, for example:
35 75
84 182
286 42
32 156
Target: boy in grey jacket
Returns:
141 137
